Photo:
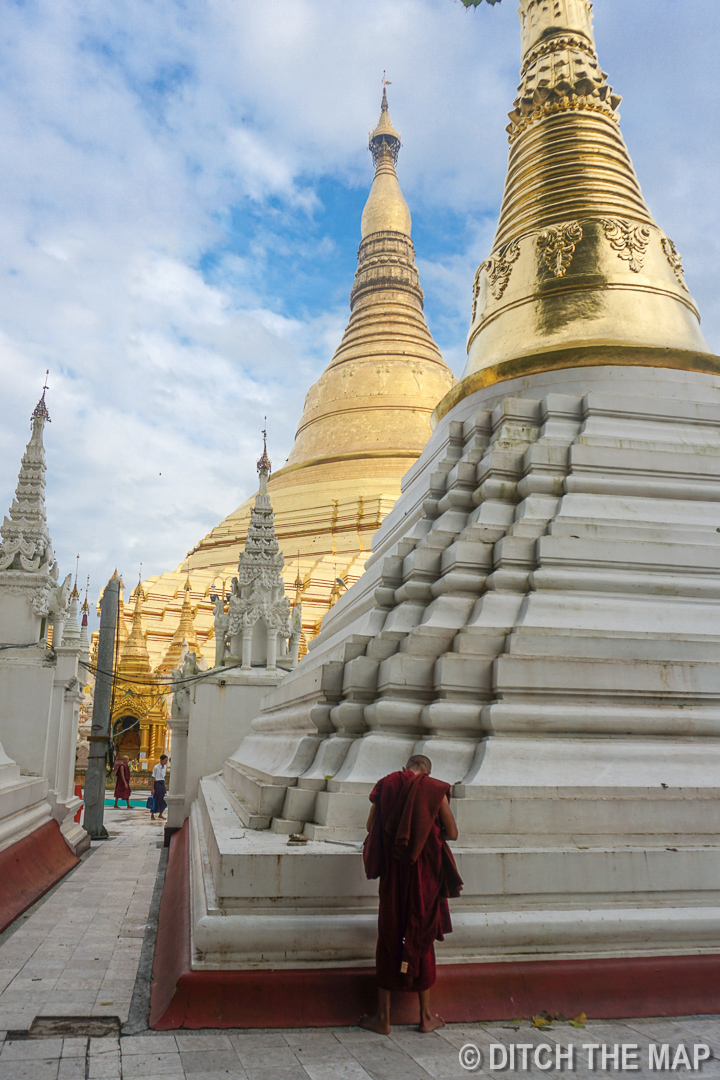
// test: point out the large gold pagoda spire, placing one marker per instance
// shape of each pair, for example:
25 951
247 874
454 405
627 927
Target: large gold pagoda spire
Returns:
579 272
364 423
375 398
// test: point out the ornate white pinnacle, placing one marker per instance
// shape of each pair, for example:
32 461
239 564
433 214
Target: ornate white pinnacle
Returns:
258 591
26 541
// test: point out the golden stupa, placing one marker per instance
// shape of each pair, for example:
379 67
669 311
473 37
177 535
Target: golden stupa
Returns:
579 273
138 714
364 422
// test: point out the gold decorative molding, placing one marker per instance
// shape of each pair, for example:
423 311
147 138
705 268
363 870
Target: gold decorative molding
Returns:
630 241
558 243
498 268
567 41
674 258
581 357
560 72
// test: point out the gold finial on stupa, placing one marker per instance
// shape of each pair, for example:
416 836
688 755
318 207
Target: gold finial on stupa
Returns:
579 272
75 595
385 209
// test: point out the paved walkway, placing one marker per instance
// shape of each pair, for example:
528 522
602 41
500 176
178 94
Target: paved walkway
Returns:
77 953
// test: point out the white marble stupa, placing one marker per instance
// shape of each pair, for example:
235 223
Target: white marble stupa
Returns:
540 614
40 690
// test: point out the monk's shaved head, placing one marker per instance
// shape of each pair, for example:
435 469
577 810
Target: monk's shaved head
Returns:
419 763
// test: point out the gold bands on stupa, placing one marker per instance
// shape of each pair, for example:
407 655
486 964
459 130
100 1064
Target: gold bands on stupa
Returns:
578 265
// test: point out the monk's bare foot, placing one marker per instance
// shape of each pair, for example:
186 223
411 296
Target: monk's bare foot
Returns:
374 1023
431 1023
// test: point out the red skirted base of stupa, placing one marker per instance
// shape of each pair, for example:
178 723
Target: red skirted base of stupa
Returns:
323 997
30 867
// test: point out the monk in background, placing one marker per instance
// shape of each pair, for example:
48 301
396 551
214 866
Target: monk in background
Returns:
122 782
409 825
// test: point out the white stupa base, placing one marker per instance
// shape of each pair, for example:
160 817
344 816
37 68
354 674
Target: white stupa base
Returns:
258 902
24 806
541 617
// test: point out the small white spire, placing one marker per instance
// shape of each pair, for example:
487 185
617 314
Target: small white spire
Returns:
25 543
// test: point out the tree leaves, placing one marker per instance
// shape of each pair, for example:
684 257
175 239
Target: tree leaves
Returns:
543 1020
475 3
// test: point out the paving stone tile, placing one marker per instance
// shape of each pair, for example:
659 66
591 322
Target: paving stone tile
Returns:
452 1070
71 1068
147 1044
36 1069
27 1049
17 1019
265 1057
253 1040
388 1064
195 1043
358 1035
310 1037
336 1070
62 1008
141 1065
75 1047
107 1045
322 1052
210 1060
104 1066
293 1073
236 1073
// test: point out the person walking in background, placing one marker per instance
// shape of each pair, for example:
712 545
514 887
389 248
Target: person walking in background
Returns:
158 788
122 780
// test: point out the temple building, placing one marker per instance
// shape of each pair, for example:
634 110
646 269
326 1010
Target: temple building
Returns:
138 717
364 422
540 616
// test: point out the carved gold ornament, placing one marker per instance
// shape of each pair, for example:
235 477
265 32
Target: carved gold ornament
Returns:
498 268
558 244
630 241
674 258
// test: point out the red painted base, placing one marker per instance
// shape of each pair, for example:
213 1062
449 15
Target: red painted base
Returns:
31 867
315 997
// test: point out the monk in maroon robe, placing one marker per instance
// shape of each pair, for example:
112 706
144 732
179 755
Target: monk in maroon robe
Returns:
406 847
122 782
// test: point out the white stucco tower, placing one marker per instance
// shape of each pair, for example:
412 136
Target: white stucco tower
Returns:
40 687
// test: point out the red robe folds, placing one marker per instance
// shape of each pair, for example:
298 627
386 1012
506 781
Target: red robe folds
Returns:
417 872
122 784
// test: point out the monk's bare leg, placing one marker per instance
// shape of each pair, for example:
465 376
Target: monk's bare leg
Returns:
429 1021
379 1021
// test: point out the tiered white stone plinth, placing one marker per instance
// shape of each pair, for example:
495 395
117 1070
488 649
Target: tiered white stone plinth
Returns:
23 802
541 617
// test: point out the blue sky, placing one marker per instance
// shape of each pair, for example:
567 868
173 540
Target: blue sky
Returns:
180 200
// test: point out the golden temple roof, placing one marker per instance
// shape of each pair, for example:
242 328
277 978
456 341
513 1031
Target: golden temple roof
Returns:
134 658
364 422
185 632
579 272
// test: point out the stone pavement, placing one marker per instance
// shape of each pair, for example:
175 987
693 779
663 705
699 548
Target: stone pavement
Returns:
79 953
